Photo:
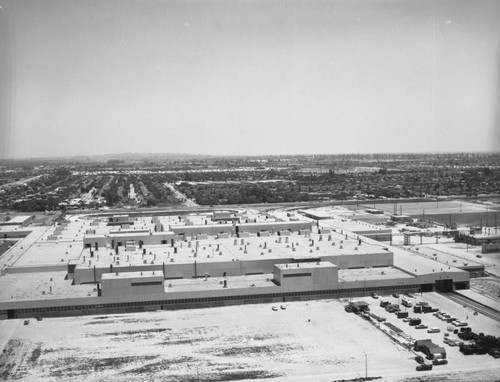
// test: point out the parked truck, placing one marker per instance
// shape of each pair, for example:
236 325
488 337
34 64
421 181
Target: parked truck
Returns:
402 314
415 321
406 302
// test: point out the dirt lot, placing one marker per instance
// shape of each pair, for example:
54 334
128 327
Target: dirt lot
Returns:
309 341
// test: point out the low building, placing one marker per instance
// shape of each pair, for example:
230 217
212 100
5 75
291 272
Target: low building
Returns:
292 226
201 229
477 239
430 349
489 248
20 220
119 238
225 216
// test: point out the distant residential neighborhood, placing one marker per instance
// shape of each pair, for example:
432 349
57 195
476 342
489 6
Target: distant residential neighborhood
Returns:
147 181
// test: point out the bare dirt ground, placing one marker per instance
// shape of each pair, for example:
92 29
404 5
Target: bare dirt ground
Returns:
309 341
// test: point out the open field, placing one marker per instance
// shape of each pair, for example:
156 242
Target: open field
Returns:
313 341
447 212
435 207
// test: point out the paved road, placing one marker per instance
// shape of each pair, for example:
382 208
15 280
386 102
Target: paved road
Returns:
179 195
22 181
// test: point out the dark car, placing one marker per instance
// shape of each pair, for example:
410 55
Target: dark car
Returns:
440 361
424 366
395 295
419 359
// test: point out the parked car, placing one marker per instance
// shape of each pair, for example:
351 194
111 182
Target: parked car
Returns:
433 330
495 352
374 295
421 326
424 366
419 359
26 322
440 361
395 295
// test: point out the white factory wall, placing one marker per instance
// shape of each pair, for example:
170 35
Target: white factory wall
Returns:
195 230
321 278
367 260
123 285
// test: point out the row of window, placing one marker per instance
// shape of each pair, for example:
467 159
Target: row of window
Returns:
147 283
56 309
217 298
297 274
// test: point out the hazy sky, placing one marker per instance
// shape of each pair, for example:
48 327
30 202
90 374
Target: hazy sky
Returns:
248 77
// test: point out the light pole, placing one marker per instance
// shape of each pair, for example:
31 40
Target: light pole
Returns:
366 366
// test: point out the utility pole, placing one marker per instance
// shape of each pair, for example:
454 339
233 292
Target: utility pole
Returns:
366 366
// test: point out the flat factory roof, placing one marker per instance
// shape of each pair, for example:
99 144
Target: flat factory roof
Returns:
37 286
230 249
382 273
211 283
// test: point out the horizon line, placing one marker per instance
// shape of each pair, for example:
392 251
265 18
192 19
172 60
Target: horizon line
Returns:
85 156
